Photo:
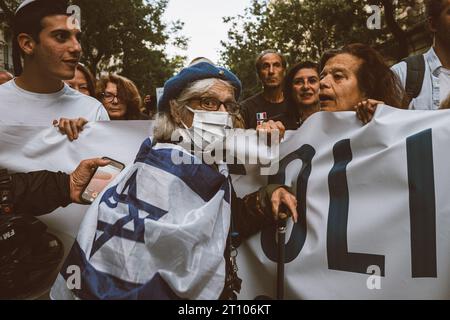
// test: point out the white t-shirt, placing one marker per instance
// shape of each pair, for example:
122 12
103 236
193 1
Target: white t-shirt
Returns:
444 82
429 98
18 106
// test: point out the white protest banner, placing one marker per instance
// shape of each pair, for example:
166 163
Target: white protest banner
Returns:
31 148
374 211
372 199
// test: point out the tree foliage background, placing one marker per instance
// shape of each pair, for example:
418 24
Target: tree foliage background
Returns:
304 29
128 37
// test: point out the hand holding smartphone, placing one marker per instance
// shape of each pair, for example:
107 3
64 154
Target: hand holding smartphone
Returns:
101 178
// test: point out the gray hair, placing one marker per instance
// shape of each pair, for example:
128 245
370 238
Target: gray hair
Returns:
165 125
266 52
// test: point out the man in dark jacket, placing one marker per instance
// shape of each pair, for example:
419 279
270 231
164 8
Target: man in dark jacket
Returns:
41 192
28 254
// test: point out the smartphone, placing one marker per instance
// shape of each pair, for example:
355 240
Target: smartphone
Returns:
100 179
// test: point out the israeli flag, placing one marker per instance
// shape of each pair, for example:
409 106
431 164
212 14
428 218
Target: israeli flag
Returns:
158 231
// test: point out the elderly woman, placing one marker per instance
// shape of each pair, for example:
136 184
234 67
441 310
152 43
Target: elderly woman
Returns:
201 89
355 78
184 218
120 98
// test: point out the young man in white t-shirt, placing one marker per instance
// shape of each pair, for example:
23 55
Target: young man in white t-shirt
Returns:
48 42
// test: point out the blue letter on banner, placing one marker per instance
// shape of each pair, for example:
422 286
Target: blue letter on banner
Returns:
298 235
422 204
337 248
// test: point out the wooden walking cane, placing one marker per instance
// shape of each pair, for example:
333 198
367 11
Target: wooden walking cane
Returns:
281 237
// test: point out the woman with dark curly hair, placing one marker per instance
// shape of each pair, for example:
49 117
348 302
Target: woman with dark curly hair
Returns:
356 77
301 91
121 98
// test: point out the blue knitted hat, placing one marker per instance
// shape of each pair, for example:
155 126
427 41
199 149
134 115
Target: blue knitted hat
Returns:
203 70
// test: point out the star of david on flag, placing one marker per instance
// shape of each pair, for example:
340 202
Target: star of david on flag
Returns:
159 231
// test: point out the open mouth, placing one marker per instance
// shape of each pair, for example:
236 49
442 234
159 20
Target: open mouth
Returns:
325 98
306 95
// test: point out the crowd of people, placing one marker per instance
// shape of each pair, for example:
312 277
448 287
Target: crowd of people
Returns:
50 52
52 87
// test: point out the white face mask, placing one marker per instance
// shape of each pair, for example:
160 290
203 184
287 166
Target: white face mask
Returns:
209 127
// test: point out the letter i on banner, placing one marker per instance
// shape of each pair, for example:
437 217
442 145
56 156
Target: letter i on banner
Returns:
422 205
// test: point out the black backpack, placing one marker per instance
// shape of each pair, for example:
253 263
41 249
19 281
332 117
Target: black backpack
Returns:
415 74
29 257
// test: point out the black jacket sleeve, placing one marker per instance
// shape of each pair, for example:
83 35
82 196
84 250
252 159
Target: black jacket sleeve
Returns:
252 213
39 193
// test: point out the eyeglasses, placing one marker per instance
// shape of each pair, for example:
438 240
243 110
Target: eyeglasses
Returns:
109 97
213 104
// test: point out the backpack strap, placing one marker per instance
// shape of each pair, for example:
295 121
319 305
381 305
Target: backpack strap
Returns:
415 75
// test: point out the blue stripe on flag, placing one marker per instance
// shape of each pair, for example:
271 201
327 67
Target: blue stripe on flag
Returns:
201 178
99 285
134 205
131 199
